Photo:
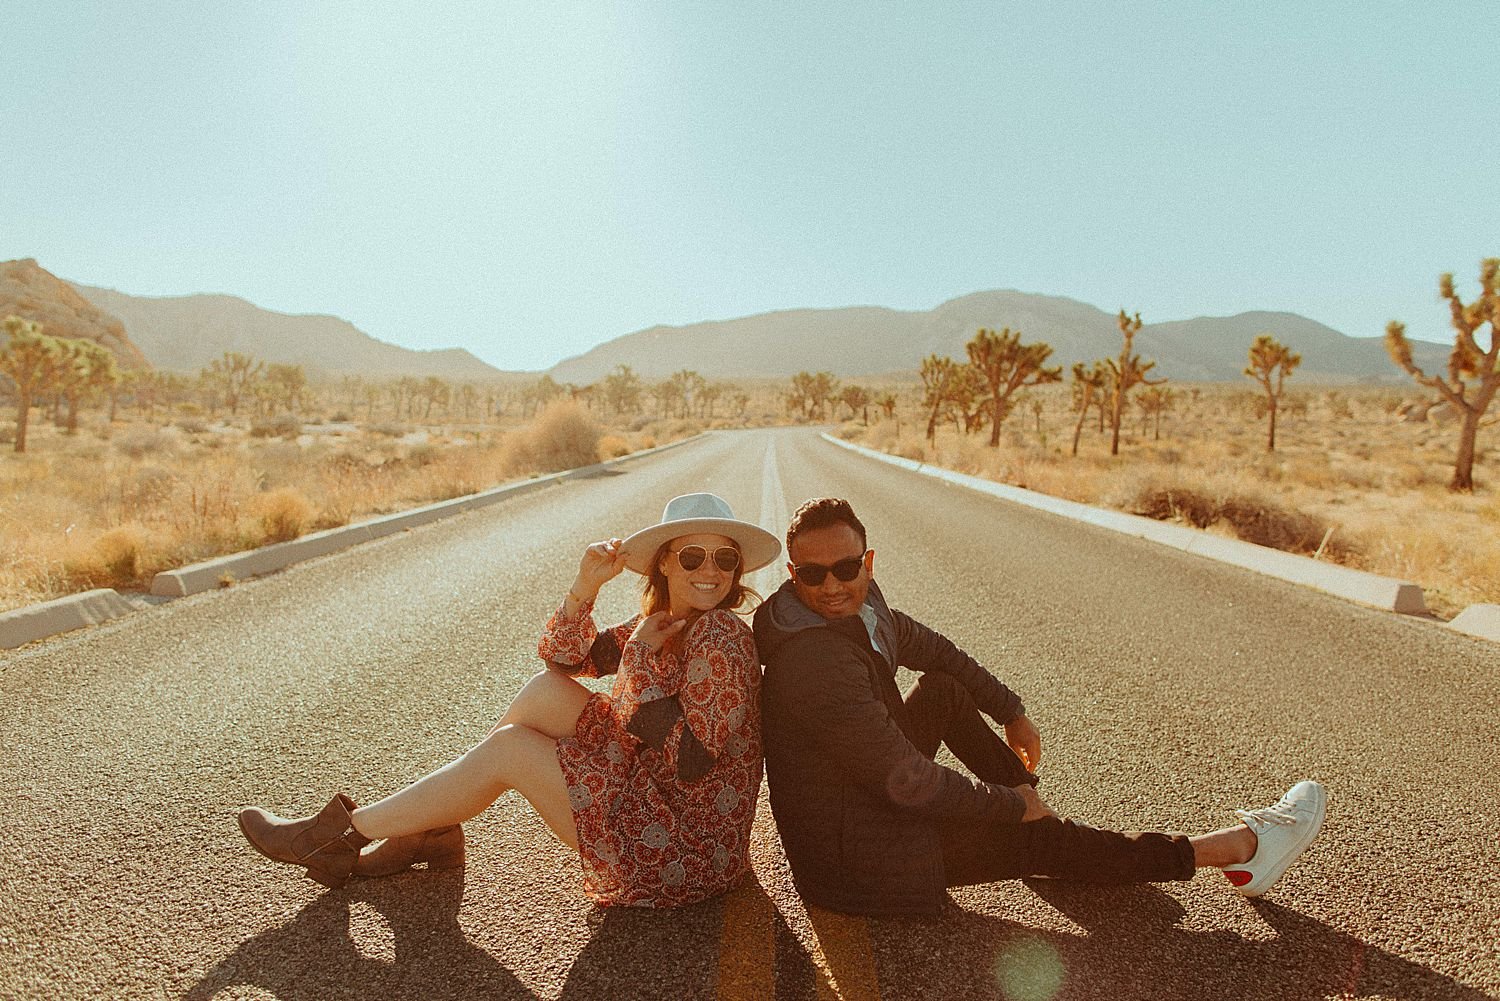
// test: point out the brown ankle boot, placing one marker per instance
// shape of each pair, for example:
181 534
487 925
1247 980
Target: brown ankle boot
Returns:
327 844
440 848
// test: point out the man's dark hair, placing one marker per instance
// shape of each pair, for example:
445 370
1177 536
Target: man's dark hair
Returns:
823 512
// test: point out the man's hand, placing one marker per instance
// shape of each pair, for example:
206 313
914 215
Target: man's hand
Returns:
1022 736
1035 808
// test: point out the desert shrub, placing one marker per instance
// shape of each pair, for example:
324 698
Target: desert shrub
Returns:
280 426
1252 518
121 551
387 430
672 429
456 484
141 442
1268 525
146 487
612 446
115 559
422 455
193 425
283 514
7 434
912 450
1177 503
880 436
562 437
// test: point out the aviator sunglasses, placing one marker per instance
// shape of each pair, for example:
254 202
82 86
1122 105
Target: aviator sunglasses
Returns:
690 558
813 574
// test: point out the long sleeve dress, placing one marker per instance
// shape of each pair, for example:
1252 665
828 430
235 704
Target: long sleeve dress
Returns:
664 772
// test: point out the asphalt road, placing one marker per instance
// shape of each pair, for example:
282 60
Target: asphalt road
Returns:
1168 690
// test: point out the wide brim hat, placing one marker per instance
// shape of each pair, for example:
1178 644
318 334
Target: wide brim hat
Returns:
691 514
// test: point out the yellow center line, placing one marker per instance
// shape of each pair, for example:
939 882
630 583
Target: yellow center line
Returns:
747 944
844 952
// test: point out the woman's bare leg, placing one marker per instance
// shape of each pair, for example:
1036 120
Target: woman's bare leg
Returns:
520 753
549 703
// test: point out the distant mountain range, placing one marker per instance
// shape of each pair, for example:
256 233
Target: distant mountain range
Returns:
868 341
185 333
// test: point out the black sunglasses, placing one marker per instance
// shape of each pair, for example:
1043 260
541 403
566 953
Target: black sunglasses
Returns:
690 558
813 574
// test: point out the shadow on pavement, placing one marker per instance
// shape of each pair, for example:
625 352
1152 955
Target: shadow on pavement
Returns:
314 956
648 954
1133 949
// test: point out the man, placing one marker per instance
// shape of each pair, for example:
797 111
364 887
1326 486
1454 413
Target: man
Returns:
870 823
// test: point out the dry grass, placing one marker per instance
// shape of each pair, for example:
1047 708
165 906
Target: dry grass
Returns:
1347 474
114 505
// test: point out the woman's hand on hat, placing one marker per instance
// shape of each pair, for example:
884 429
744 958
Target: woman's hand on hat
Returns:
655 629
601 563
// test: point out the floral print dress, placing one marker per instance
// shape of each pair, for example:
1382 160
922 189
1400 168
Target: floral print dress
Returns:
664 772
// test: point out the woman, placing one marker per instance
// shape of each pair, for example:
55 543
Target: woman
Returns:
655 784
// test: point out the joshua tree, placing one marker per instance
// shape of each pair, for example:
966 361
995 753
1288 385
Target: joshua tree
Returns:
689 385
1006 365
544 392
287 384
1125 373
82 365
29 357
235 374
824 390
708 395
1154 402
622 390
105 376
887 405
434 390
938 375
1473 373
1270 363
1087 382
967 399
857 399
350 386
668 396
468 396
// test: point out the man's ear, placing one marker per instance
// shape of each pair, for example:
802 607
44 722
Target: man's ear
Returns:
790 572
870 562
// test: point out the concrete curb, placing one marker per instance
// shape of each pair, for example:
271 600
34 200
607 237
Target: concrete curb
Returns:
24 625
62 615
1478 620
1355 585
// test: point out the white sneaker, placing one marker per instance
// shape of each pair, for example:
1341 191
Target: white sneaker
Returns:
1283 833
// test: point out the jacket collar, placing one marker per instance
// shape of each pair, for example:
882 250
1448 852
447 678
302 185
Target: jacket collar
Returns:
787 615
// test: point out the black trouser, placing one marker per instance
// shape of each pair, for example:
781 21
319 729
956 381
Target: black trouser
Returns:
941 710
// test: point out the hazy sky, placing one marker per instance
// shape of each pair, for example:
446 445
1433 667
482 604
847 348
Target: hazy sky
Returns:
528 180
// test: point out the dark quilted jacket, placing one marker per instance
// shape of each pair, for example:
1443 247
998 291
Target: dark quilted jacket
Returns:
856 805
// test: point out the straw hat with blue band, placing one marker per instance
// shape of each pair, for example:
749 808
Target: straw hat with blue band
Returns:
692 514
